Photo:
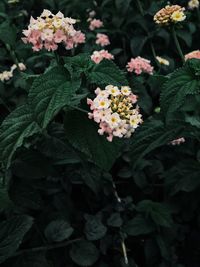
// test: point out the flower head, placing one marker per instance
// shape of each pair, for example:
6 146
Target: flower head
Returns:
162 61
95 24
178 141
7 75
170 14
115 111
193 54
49 30
102 39
139 65
98 56
192 4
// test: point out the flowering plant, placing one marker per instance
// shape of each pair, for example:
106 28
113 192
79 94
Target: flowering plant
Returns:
99 133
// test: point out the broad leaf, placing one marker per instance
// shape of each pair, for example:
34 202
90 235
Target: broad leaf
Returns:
106 72
16 127
51 92
82 134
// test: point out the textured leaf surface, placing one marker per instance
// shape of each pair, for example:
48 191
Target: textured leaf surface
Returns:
82 134
17 126
12 233
107 72
58 230
51 92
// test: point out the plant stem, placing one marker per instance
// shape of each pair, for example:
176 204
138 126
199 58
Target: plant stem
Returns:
47 247
80 109
56 57
5 105
177 44
140 7
124 250
13 55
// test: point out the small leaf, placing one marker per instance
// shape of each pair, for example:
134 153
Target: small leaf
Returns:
115 220
84 253
138 226
58 230
94 229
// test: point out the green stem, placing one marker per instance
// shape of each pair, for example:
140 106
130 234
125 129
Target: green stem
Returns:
47 247
13 55
57 58
140 7
177 44
80 109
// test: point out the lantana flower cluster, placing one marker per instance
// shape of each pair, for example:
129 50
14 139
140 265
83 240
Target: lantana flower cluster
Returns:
140 65
98 56
7 75
170 14
116 111
102 39
95 24
49 30
193 54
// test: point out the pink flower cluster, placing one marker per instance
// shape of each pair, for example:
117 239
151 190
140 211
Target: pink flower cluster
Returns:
95 24
178 141
116 112
139 65
193 54
49 30
102 39
7 75
98 56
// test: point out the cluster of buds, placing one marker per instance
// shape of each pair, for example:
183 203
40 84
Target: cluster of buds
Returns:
140 65
193 54
116 111
170 14
98 56
7 75
178 141
192 4
49 30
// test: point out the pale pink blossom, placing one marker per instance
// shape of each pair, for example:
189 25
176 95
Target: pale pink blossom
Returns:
95 24
140 65
102 39
178 141
49 30
98 56
193 54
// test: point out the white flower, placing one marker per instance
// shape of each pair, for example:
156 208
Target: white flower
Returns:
178 16
47 34
126 90
135 120
162 61
102 93
112 90
101 103
113 120
192 4
46 13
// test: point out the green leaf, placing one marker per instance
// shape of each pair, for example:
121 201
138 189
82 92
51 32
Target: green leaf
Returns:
183 82
12 233
8 33
82 134
158 212
14 130
58 230
5 201
94 228
138 226
84 253
50 93
115 220
106 72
